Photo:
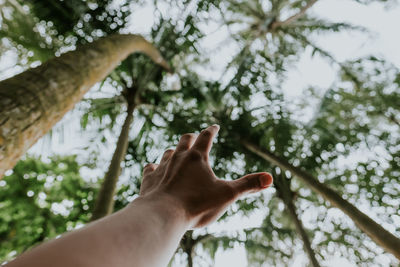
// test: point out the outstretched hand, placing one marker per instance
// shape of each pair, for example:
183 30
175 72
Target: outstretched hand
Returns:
180 193
184 178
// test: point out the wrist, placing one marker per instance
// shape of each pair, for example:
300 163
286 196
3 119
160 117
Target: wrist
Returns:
165 209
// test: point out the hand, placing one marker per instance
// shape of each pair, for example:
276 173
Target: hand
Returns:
184 177
180 193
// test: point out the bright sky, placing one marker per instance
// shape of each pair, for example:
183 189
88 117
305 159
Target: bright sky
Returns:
385 41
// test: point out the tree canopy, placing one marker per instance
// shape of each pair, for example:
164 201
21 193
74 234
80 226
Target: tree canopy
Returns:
346 136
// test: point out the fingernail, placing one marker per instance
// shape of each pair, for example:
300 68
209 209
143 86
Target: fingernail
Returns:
216 125
265 180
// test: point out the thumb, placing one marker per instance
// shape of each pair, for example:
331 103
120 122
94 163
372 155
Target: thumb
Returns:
252 183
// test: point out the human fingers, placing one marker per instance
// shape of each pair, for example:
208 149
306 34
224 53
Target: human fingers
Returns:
167 155
185 142
150 167
204 140
252 183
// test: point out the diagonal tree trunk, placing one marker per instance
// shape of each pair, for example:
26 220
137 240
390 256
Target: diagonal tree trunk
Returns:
32 102
376 232
105 200
284 191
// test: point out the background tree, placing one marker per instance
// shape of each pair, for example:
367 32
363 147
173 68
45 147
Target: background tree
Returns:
140 79
54 88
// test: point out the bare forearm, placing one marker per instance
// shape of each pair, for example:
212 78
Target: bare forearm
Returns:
181 192
146 233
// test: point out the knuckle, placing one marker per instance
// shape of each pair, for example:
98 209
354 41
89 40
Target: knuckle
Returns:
247 183
194 155
253 183
169 151
207 133
149 166
187 136
174 156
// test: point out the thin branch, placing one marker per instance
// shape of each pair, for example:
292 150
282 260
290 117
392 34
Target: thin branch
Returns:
393 119
296 16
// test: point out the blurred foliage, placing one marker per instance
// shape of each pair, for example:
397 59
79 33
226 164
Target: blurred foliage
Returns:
87 20
41 200
41 29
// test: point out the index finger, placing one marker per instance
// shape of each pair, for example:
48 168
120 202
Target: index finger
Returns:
204 140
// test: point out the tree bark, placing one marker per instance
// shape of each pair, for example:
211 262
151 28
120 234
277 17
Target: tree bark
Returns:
105 200
32 102
377 233
190 258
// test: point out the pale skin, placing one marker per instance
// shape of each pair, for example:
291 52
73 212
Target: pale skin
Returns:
180 193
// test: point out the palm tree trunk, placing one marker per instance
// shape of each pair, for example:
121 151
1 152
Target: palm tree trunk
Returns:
282 185
32 102
187 244
301 231
376 232
105 200
190 258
